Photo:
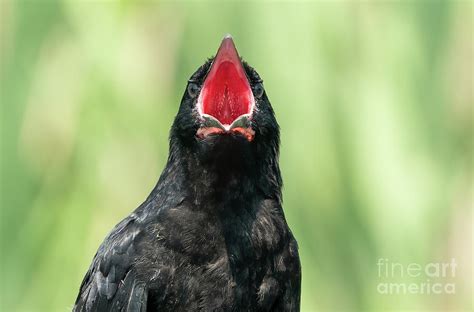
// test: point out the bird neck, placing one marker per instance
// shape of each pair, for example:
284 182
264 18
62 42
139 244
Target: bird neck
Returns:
220 181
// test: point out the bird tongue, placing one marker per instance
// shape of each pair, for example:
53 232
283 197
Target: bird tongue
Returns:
226 92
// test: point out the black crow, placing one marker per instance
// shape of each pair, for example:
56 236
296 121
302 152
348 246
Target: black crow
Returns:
212 235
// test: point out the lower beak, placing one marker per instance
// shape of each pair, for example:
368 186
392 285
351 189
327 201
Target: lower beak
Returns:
241 122
241 126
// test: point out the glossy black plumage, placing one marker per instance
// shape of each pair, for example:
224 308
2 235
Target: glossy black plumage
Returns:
212 235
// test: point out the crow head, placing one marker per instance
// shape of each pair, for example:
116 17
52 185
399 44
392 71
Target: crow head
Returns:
225 118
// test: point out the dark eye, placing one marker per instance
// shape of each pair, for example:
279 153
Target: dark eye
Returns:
193 89
258 90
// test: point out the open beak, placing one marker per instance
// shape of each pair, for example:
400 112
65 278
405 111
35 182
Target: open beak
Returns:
226 100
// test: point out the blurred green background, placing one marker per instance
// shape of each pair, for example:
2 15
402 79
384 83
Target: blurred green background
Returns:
374 100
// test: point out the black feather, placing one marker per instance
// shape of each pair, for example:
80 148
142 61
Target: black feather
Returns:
211 235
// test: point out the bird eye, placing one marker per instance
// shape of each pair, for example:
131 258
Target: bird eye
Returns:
193 89
258 90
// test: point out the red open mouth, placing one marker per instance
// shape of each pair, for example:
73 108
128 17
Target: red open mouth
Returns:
226 94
